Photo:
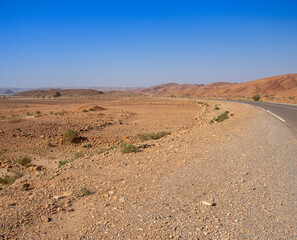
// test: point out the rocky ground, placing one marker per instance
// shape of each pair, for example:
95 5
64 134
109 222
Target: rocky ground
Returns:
224 180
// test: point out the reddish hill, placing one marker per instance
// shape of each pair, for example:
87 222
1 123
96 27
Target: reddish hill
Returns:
281 86
60 92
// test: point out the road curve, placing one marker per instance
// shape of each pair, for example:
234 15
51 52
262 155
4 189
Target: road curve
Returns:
287 112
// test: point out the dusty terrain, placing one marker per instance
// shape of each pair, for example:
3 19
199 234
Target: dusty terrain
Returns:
276 89
221 180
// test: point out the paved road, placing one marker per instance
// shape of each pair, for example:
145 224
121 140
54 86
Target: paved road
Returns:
286 112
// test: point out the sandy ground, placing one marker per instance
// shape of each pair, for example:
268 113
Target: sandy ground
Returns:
244 167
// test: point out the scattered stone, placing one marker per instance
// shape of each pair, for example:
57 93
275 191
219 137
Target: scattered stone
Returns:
46 219
206 203
58 197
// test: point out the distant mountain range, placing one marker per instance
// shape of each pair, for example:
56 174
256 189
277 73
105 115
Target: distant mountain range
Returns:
60 93
11 91
284 86
281 86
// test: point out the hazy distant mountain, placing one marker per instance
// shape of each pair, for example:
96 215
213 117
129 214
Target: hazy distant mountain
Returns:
283 86
60 92
10 91
104 89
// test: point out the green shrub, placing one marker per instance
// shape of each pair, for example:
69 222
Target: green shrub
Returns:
62 163
84 191
23 161
10 179
256 97
129 149
57 94
217 108
78 155
102 150
152 136
70 135
222 117
87 145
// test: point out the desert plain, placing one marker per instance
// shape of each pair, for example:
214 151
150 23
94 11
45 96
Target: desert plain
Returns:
143 167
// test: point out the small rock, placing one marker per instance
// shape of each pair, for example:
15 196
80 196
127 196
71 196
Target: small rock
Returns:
110 192
26 187
58 197
45 219
205 203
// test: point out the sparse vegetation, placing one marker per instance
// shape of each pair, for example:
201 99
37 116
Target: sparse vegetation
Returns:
102 150
84 110
87 145
62 163
49 144
256 97
57 94
130 148
70 135
152 136
84 191
23 161
216 108
10 179
38 112
222 117
78 155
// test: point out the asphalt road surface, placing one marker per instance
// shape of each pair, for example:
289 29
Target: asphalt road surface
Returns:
287 113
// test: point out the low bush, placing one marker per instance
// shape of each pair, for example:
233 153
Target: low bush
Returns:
23 161
78 155
256 97
84 191
222 117
62 163
130 148
70 135
10 179
152 136
102 150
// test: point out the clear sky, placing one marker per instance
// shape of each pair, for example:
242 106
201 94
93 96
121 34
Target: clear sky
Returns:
48 43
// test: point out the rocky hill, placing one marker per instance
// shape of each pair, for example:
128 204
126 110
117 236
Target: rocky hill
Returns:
281 86
60 92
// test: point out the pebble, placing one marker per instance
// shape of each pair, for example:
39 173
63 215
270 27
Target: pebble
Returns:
206 203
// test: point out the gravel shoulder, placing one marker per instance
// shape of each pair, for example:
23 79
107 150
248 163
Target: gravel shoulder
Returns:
245 167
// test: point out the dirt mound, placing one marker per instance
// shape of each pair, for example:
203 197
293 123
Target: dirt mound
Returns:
91 108
60 93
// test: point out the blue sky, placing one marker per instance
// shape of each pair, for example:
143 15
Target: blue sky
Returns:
144 43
